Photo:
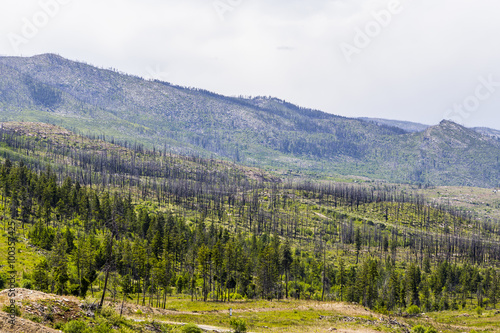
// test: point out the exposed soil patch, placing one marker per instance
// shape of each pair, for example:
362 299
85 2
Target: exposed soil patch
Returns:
344 308
52 311
33 295
260 176
22 326
131 309
41 308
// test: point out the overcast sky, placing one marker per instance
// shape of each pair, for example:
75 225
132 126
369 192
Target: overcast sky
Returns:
416 60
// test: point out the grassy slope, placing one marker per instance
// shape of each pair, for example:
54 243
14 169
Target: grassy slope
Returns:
261 316
484 202
26 256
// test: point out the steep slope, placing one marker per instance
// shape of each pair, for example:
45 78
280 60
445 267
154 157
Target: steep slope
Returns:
412 127
408 126
95 161
257 130
452 154
261 131
488 132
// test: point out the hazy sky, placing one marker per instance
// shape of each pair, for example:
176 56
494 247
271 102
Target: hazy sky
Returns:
417 60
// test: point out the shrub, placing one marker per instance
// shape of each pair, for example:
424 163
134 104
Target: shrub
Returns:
15 309
190 328
413 310
479 310
418 329
102 327
422 329
26 275
107 311
454 305
33 318
111 316
75 326
382 309
89 302
27 284
236 296
239 325
3 280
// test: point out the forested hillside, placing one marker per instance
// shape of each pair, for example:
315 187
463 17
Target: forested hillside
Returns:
149 224
264 132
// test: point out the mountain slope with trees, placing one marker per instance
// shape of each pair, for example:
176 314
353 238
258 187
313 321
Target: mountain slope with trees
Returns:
218 232
114 222
261 131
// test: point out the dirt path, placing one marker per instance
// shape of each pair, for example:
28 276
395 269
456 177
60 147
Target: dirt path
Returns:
207 328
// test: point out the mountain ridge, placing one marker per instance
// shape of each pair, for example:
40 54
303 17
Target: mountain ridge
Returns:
261 131
411 127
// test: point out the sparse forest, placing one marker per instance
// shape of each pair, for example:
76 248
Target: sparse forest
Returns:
124 222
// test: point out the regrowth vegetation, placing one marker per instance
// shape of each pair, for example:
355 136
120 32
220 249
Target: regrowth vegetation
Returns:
143 225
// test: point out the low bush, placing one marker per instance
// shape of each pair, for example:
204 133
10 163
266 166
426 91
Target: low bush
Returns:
14 309
239 325
27 284
236 296
190 328
418 329
479 310
413 310
74 326
423 329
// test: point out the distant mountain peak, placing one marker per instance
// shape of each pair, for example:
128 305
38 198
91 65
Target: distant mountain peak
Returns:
43 57
448 126
449 123
48 56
